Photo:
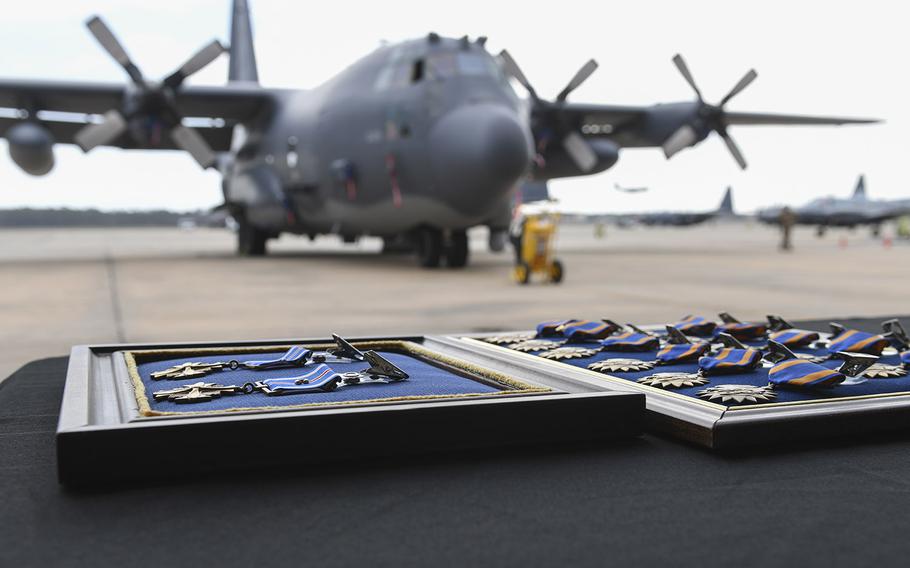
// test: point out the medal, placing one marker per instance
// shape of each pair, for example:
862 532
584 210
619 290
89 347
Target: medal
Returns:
188 370
568 353
674 380
621 365
740 394
885 371
536 345
196 392
508 339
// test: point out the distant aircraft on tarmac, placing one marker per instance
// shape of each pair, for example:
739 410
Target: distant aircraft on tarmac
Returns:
630 189
416 142
685 219
849 212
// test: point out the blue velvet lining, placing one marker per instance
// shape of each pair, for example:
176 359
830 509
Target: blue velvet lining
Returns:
425 380
758 377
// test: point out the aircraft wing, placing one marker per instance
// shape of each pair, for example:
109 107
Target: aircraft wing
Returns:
758 118
65 107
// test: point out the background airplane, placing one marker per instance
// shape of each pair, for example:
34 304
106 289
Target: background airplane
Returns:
684 218
850 212
416 142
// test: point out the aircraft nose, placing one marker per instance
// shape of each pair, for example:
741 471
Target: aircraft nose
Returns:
479 152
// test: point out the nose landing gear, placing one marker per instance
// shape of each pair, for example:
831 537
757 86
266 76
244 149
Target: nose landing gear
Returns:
434 245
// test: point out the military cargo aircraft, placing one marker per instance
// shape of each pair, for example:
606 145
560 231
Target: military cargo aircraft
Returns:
416 142
685 218
849 212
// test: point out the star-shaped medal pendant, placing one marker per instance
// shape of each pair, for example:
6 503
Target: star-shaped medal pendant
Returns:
196 392
885 371
568 353
673 380
739 394
508 339
536 345
622 365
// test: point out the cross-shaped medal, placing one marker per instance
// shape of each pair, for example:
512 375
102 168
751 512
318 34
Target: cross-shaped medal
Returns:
196 392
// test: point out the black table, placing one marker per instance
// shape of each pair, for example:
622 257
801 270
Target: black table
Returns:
644 501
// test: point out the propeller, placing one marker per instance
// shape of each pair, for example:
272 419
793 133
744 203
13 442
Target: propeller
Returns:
547 114
708 117
149 100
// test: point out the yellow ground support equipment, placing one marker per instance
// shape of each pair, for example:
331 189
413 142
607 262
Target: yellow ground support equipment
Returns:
537 250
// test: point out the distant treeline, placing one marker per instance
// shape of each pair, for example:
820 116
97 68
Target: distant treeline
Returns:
88 218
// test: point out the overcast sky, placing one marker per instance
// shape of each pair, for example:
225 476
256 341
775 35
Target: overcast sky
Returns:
813 57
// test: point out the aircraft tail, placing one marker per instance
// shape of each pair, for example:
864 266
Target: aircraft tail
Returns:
726 204
860 191
243 56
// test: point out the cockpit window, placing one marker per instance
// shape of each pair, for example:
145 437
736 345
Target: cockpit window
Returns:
399 71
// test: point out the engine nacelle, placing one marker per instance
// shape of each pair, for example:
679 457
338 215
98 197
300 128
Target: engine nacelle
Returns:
559 164
31 146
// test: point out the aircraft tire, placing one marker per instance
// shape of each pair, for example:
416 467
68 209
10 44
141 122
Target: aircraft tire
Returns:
250 240
457 252
429 247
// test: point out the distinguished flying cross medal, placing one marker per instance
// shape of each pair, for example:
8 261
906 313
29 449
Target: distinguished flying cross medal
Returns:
620 365
196 392
739 394
674 380
187 370
568 353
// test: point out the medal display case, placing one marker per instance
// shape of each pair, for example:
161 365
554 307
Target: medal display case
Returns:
721 395
165 410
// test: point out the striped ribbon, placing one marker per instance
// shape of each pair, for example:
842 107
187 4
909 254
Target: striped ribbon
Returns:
631 341
853 341
731 360
587 330
553 328
695 325
294 356
905 358
794 337
681 353
743 331
314 380
803 374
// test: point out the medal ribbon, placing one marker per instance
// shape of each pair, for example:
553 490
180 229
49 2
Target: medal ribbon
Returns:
853 341
731 360
681 353
631 341
695 325
587 330
743 331
296 355
314 380
793 337
803 374
553 328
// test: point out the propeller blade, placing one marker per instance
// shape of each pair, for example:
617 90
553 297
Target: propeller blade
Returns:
684 137
734 149
92 135
109 42
195 63
758 119
743 83
580 77
684 70
512 68
191 141
580 151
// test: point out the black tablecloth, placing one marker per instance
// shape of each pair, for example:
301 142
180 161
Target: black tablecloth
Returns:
646 501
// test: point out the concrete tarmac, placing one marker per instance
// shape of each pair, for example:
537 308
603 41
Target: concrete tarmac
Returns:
63 287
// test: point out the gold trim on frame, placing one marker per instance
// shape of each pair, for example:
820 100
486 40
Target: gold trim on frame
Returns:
513 385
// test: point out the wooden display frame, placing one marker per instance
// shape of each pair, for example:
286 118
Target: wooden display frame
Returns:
103 435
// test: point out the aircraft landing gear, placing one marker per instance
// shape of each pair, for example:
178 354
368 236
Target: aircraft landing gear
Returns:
457 250
429 247
433 246
250 239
